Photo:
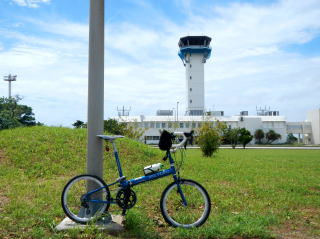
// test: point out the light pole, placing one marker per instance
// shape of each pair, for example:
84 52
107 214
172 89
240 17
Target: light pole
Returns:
10 78
178 114
95 88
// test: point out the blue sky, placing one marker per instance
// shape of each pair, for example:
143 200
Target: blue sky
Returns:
265 53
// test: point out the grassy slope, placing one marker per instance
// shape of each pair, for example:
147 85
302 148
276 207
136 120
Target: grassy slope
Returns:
251 190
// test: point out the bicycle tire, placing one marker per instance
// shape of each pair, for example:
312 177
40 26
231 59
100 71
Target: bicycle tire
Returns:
78 212
198 204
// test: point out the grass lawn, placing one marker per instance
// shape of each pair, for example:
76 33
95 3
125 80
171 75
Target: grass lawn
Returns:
254 193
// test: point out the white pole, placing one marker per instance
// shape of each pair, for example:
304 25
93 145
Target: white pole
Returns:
178 113
9 89
95 88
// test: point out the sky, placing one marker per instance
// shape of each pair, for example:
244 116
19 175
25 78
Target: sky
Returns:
264 53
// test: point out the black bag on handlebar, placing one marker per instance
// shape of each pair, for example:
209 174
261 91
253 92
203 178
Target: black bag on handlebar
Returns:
165 141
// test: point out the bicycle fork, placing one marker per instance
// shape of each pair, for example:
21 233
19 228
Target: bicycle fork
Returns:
179 190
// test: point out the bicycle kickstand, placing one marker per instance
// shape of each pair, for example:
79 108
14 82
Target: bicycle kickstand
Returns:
124 212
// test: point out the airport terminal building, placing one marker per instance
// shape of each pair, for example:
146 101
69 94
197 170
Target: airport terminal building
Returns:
194 51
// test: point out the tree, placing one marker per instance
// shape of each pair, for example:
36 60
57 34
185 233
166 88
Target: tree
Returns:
209 139
14 115
231 136
234 136
133 131
272 136
129 129
79 124
259 135
245 137
114 127
291 139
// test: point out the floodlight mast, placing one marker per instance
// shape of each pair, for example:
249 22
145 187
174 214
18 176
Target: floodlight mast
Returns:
10 78
95 88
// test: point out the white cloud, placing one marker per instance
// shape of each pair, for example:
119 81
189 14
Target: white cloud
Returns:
248 66
30 3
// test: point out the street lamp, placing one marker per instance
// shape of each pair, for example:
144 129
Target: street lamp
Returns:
95 88
178 113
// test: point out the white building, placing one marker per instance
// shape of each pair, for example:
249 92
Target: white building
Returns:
308 132
314 119
194 51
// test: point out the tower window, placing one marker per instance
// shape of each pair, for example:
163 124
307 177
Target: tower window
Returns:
190 101
190 65
190 77
190 89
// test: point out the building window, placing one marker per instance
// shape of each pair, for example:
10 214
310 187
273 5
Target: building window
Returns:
146 125
152 125
190 89
163 125
187 125
194 125
169 125
155 137
158 125
181 125
190 101
199 125
190 65
190 77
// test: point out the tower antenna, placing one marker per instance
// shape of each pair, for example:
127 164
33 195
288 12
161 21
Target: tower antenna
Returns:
123 111
10 78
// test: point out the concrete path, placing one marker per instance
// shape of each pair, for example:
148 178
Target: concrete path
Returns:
114 224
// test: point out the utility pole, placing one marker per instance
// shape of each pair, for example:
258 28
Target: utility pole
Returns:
178 114
177 110
95 88
10 78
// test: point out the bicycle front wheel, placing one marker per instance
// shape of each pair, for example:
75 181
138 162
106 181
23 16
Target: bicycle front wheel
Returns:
77 202
191 212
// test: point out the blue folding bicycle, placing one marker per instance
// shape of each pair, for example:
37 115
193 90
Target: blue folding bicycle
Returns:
184 203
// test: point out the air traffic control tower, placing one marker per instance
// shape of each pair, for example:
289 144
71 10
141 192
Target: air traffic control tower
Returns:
194 51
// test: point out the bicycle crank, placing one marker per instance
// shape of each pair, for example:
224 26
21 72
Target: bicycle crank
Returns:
126 198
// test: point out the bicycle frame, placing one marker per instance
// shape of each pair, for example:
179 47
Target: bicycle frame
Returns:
133 182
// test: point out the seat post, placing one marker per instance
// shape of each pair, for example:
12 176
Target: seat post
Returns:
116 155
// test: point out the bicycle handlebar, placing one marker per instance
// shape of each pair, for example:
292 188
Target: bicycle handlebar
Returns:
177 146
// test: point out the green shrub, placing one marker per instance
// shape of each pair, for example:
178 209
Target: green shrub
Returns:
209 139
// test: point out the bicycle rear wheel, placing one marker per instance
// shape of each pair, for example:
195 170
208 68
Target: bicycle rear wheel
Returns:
198 207
76 202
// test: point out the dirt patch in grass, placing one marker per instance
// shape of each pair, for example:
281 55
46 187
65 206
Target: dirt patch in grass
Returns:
4 200
225 183
306 227
315 189
294 231
3 158
239 237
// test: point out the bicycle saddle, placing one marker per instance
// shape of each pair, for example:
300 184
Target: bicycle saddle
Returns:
110 137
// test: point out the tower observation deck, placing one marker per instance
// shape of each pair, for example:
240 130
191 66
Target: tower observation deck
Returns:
194 52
